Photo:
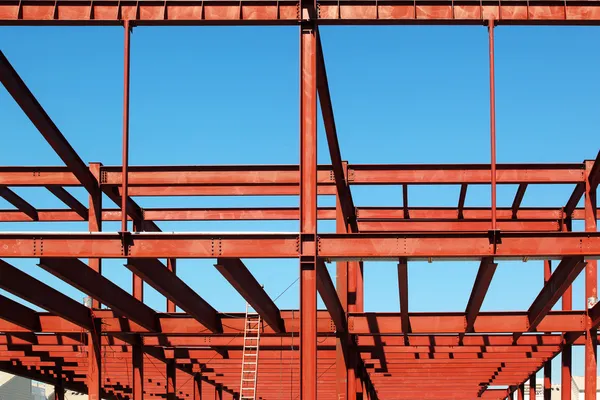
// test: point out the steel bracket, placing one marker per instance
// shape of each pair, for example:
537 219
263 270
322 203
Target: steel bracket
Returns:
494 236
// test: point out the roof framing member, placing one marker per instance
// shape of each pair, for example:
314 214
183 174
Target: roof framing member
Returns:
326 289
341 183
19 314
487 267
38 116
156 274
461 200
238 275
80 275
403 297
28 288
69 200
17 201
518 199
579 191
560 280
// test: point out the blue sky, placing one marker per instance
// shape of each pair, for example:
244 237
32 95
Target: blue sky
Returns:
212 95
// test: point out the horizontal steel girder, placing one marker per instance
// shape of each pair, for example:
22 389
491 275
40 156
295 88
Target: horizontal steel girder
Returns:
104 12
413 246
361 324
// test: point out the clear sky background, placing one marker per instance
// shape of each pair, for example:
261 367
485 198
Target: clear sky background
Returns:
213 95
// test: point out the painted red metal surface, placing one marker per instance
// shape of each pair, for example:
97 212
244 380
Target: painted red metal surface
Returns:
105 12
343 353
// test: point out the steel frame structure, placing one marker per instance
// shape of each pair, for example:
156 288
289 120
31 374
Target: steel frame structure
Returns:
130 351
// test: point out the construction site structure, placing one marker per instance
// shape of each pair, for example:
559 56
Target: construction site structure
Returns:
342 352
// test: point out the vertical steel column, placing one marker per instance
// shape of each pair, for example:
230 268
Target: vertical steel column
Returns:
171 379
548 380
591 291
59 390
137 361
521 391
532 386
341 273
171 266
547 364
308 202
137 281
352 353
94 373
360 376
95 221
566 354
125 177
491 24
197 387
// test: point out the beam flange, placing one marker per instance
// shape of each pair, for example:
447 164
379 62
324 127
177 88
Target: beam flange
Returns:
238 275
403 296
20 203
341 183
326 289
487 267
81 276
28 288
19 314
69 200
156 274
560 280
518 199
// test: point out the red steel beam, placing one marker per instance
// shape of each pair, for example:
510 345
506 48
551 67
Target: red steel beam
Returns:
169 285
69 200
518 199
137 361
458 226
171 380
282 178
577 194
493 178
104 12
77 274
528 216
403 295
591 286
95 221
332 302
94 359
19 314
20 203
414 246
38 116
594 173
343 189
238 275
483 279
28 288
344 367
387 323
124 185
461 200
359 174
172 267
560 280
308 202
